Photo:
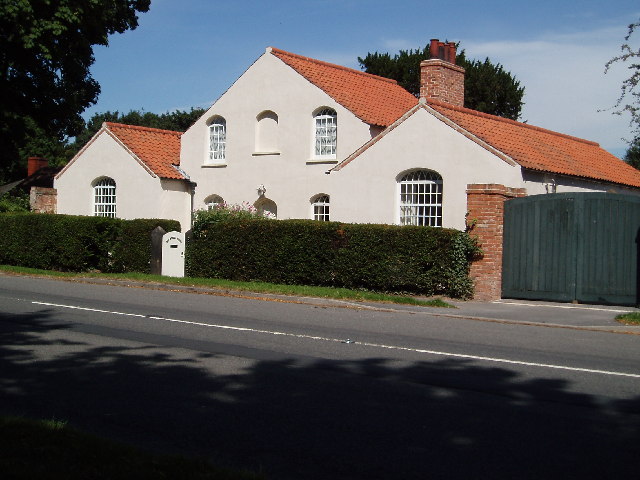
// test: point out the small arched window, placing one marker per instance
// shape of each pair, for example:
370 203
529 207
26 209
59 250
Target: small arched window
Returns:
326 133
104 198
421 198
320 207
213 201
267 132
217 140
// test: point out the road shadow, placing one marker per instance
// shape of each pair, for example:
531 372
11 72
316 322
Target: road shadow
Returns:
295 418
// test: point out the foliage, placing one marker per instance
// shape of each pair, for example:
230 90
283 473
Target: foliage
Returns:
203 219
488 87
76 244
632 157
46 51
629 92
14 201
386 258
631 318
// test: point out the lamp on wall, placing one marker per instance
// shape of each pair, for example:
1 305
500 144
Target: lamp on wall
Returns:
262 190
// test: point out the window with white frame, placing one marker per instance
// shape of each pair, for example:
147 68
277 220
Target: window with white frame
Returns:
213 201
421 198
217 140
320 206
104 198
326 133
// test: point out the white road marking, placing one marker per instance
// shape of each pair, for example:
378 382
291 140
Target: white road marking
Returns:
562 306
337 340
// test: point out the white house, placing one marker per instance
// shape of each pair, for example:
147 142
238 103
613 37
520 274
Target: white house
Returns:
303 138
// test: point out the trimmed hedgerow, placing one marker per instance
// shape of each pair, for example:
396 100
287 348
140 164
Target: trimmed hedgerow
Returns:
76 244
419 260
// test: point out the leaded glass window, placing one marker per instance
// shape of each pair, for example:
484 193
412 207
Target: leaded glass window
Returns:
421 198
321 208
326 132
104 198
217 140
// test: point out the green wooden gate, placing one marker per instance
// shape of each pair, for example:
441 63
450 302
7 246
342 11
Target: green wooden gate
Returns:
572 247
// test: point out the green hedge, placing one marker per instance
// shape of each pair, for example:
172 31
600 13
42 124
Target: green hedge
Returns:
77 244
420 260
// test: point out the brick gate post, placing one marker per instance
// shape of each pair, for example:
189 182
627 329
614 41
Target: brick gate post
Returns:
485 207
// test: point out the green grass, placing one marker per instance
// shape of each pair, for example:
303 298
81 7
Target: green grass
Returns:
631 318
257 287
51 450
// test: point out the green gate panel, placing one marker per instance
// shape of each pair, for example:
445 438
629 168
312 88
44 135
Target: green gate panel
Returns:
572 247
539 248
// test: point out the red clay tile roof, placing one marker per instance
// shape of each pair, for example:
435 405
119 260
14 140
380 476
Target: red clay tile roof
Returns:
538 149
374 100
158 149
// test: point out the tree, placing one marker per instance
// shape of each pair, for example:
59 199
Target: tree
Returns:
46 50
632 157
629 86
488 87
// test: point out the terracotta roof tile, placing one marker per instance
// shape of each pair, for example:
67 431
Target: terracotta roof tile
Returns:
374 100
538 149
158 149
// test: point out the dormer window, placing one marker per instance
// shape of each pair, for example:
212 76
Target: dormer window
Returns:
326 133
217 140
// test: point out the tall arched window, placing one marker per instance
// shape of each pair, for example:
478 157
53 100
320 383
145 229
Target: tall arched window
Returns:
213 201
326 133
320 206
267 132
104 198
421 198
217 140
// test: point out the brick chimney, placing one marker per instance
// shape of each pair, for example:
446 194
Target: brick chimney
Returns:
34 164
440 78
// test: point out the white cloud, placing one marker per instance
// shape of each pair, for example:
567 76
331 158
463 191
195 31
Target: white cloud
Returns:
566 88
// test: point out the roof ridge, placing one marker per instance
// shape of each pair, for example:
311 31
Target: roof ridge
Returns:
139 127
508 120
332 65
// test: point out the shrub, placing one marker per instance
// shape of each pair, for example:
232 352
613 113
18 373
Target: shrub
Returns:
419 260
77 244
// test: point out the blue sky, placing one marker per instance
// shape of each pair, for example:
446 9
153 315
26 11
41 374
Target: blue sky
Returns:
187 53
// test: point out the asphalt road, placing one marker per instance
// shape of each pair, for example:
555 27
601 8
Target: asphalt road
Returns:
305 388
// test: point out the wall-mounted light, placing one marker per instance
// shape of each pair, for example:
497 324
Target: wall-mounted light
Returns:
262 190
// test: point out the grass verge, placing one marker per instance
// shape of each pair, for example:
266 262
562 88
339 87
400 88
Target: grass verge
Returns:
257 287
631 318
51 450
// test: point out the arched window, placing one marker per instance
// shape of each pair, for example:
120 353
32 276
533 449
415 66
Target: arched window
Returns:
266 207
213 201
326 133
421 198
320 206
267 132
104 198
217 140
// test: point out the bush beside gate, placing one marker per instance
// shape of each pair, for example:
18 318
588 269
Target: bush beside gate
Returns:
78 244
418 260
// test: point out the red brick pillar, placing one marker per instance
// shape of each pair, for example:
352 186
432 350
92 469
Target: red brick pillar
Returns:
43 200
485 206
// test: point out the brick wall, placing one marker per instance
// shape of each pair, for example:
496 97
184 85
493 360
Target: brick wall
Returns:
443 81
43 200
485 204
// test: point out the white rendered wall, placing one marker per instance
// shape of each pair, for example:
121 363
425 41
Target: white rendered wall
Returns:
366 189
291 176
139 194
